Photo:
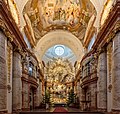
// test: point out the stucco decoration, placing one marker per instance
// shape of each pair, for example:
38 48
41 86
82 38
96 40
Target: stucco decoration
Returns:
14 11
59 37
106 11
48 15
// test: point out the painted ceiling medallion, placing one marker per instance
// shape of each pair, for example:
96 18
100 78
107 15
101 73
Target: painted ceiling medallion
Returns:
59 12
106 11
14 11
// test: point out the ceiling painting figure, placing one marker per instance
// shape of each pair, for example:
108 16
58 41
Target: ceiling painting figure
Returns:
70 15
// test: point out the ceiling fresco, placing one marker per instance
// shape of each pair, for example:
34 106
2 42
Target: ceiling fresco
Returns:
46 15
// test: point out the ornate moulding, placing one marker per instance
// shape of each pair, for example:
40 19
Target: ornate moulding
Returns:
9 27
109 29
9 61
87 81
46 16
5 29
31 80
106 11
14 11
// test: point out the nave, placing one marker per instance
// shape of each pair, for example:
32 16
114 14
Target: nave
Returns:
57 53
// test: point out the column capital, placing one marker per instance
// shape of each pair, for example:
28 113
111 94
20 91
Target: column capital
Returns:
19 50
114 31
6 31
101 50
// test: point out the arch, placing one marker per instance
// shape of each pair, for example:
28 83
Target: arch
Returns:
59 37
21 4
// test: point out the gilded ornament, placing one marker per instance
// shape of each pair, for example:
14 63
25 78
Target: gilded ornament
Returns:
14 11
106 11
114 31
6 30
9 62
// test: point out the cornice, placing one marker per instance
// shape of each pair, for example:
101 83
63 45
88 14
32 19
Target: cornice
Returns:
4 28
88 82
32 54
110 27
87 55
9 27
30 80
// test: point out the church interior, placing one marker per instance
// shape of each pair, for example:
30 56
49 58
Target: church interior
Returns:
59 55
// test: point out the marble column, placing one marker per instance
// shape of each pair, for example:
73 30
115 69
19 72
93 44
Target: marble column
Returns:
109 77
102 81
39 94
78 89
17 83
25 92
82 97
116 73
3 75
92 104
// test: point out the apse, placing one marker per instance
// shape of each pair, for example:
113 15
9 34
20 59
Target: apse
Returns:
59 72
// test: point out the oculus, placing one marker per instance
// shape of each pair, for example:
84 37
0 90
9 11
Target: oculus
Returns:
59 50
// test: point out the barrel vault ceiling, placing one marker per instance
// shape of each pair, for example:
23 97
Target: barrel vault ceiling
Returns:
50 22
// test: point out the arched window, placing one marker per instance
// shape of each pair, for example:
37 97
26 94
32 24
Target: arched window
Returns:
59 50
31 66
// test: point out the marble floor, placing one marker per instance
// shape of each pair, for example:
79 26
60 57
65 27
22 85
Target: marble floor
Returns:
53 108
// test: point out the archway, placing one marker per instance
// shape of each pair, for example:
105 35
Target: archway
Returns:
59 37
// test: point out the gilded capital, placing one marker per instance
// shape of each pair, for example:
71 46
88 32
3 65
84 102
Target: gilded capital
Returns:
101 50
114 31
6 30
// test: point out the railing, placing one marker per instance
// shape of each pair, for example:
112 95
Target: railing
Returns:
89 79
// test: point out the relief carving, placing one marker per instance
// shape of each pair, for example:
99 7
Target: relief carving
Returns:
9 62
5 29
109 54
114 31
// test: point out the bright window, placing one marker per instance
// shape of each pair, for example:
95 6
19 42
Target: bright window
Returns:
59 50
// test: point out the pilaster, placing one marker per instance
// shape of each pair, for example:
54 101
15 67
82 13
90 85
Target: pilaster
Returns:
116 73
9 58
102 80
17 83
3 74
109 76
